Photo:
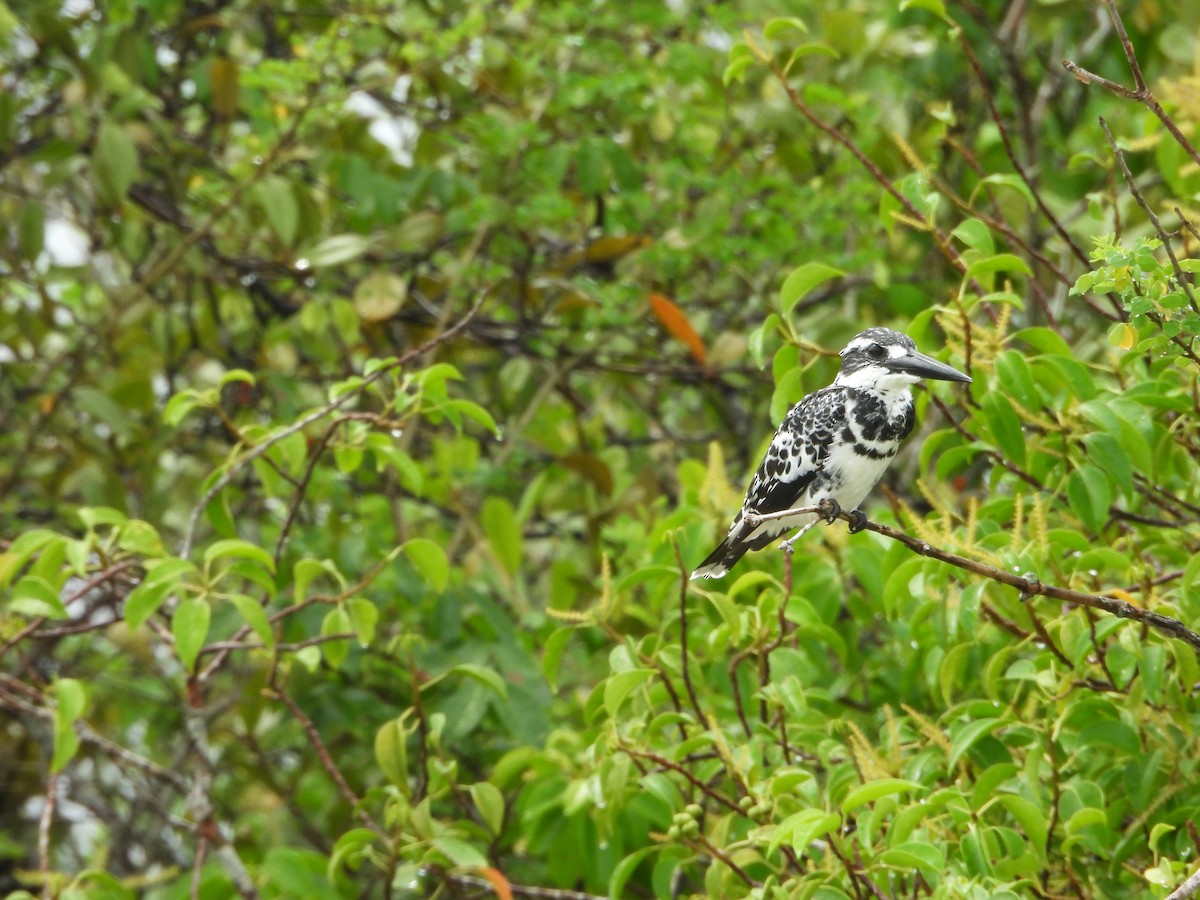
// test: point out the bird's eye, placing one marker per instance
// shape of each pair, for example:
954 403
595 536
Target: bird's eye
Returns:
876 351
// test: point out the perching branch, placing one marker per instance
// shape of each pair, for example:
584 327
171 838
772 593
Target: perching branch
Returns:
1028 584
1141 93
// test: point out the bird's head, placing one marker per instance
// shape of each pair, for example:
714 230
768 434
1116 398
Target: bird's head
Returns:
883 360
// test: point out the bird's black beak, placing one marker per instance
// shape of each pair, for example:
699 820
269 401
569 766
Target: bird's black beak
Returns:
916 363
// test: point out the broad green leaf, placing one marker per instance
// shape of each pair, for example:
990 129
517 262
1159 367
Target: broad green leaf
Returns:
239 549
255 616
1004 425
334 251
503 532
364 615
968 736
189 626
618 687
22 550
430 560
776 27
800 829
1107 453
552 653
278 202
391 752
115 161
1090 496
624 870
306 570
873 790
490 803
802 280
1032 820
916 855
336 621
976 235
461 854
70 702
34 596
489 677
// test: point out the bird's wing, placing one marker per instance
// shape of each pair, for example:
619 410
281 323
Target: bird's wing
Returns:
798 452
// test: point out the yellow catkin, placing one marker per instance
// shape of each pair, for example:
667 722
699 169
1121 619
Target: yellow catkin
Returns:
605 585
568 615
1018 522
869 763
895 757
972 521
909 153
919 524
927 728
1038 522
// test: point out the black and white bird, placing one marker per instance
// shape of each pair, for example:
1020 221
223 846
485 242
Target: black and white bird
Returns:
833 445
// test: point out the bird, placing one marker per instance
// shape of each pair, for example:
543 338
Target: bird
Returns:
833 446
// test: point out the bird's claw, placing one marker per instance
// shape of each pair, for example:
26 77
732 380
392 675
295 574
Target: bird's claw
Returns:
829 510
858 520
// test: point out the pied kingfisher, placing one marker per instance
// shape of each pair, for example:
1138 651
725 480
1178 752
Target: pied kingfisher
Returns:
834 444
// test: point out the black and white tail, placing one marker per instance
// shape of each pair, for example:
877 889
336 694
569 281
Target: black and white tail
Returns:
721 560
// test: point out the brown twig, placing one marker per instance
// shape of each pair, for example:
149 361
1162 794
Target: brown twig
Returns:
683 636
1028 585
1141 93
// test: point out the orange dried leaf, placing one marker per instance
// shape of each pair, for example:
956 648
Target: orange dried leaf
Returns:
673 319
498 882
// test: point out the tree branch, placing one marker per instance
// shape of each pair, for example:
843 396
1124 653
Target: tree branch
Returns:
1028 584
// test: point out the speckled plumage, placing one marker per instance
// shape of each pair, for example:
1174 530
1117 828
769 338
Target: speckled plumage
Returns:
836 443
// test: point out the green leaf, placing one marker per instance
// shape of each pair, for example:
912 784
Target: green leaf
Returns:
802 280
873 790
335 250
364 615
162 578
775 27
489 677
1001 262
591 167
255 616
1013 182
278 202
503 532
624 870
22 550
34 596
476 412
618 687
1031 819
460 853
306 570
916 855
115 162
430 560
969 736
976 235
349 851
552 653
1105 451
183 403
490 803
1004 425
1089 495
235 547
70 702
336 621
391 752
800 829
189 625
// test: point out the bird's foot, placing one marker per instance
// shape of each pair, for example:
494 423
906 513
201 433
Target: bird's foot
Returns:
829 510
858 520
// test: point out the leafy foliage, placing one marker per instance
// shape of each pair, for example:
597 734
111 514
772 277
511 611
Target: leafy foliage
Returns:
371 376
